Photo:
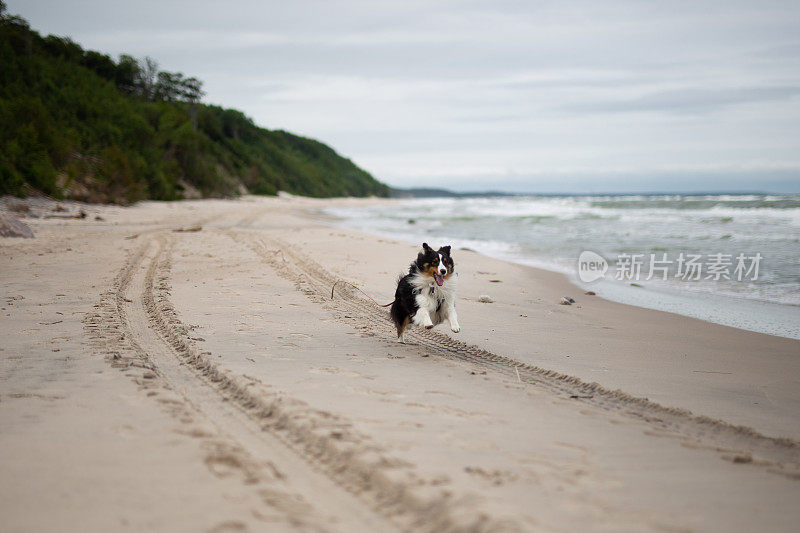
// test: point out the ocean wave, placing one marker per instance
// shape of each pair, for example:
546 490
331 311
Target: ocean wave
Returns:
550 232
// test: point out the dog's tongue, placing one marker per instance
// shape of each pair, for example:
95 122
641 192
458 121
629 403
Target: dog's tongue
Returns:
439 279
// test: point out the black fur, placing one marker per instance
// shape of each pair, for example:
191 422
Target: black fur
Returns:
405 303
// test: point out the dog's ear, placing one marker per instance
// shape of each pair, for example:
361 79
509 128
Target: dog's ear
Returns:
445 250
426 247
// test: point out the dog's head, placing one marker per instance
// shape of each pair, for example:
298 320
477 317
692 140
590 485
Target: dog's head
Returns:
435 263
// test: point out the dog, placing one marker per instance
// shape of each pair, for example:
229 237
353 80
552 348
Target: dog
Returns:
426 296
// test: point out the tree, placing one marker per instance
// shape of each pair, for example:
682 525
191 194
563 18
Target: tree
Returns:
192 90
167 87
100 63
148 78
128 72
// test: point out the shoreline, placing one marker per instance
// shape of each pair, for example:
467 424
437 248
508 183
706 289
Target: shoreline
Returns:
748 314
604 316
177 366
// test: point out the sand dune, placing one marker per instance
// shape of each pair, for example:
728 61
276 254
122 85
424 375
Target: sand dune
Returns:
181 367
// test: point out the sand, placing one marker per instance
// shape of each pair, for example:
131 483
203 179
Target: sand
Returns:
181 367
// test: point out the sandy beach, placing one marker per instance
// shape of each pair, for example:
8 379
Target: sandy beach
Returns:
182 367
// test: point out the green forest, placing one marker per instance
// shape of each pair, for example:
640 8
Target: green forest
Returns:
78 124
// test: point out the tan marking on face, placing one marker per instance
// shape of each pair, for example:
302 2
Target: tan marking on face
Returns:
431 270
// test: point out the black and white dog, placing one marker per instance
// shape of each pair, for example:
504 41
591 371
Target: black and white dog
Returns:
427 294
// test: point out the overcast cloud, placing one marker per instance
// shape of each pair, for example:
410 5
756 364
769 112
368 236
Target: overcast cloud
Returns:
530 96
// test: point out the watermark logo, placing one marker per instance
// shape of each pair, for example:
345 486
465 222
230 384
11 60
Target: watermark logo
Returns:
689 267
685 267
591 266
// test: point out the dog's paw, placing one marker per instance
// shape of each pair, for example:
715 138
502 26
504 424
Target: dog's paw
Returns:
426 323
455 328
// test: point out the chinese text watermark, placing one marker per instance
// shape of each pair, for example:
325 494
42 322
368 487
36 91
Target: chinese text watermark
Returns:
686 266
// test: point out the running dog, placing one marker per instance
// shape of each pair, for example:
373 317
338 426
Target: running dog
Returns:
427 294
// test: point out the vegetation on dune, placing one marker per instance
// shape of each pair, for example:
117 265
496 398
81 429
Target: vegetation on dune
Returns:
78 124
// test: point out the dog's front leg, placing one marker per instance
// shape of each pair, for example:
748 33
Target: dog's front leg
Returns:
452 317
423 318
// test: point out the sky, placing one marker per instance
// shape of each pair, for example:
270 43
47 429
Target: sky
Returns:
525 96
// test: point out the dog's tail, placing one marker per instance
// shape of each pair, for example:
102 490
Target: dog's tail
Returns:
399 317
397 311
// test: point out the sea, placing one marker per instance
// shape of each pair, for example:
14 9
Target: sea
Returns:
728 259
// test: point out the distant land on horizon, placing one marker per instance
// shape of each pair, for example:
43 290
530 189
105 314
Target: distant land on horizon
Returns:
687 182
426 192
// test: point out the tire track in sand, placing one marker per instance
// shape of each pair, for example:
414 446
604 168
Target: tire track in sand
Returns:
738 444
128 326
288 444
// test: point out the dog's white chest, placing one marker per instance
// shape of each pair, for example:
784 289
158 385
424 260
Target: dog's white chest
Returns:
433 297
